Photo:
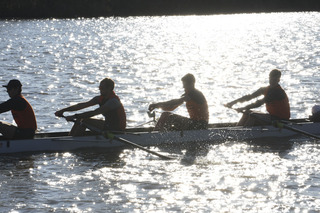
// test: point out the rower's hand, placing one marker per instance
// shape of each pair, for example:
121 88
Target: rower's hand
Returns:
152 107
151 115
59 113
229 105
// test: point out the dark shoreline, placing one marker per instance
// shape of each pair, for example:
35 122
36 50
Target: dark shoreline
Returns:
39 9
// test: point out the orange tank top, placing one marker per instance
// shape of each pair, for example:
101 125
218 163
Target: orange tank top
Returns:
197 112
26 118
197 107
277 102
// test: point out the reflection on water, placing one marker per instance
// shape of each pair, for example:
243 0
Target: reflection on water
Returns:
273 145
231 176
60 62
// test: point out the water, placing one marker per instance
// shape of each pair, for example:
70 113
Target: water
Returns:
60 62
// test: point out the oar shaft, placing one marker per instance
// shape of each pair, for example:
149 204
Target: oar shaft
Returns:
111 136
300 131
287 126
142 148
283 125
107 135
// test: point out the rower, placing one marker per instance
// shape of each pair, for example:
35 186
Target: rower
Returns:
315 117
196 105
110 107
275 98
22 113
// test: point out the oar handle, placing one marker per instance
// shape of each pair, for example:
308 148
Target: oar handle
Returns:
62 116
241 111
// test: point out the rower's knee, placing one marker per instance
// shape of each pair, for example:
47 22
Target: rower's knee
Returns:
165 115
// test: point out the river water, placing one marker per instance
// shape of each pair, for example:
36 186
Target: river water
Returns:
60 62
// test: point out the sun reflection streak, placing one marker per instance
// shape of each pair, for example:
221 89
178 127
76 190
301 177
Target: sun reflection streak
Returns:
230 55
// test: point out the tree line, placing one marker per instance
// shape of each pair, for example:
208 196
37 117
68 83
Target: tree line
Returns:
25 9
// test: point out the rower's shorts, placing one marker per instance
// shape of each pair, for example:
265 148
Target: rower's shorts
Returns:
194 125
24 133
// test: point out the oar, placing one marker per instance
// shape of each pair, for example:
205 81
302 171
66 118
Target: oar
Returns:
281 124
151 115
109 135
299 131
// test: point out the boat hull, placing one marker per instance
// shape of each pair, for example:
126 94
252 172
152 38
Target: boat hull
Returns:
63 143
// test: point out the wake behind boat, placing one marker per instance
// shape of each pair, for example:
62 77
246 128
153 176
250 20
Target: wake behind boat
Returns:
61 142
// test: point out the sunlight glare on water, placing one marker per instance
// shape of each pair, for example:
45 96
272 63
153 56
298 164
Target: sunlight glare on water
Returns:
61 61
147 56
237 179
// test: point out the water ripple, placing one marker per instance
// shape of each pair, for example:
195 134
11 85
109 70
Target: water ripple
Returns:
61 62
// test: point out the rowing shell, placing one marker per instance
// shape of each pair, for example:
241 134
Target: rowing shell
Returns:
60 142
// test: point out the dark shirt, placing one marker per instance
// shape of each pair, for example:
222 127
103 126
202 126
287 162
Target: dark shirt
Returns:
275 94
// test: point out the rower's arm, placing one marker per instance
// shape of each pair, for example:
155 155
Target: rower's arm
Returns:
253 105
6 106
167 105
111 104
257 93
88 114
76 107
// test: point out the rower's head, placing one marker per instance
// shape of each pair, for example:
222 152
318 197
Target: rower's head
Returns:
274 77
188 82
106 87
14 87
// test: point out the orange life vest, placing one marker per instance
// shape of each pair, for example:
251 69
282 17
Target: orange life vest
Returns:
115 119
277 102
26 118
